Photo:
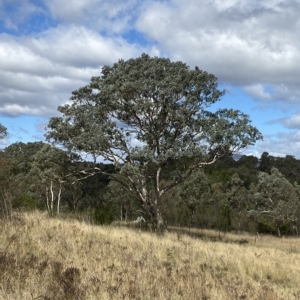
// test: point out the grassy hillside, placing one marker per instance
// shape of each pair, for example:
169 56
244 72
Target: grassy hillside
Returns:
44 258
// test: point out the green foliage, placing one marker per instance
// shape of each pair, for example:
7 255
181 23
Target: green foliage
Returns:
3 131
194 193
266 162
223 175
249 162
238 197
24 202
122 200
225 215
276 198
104 214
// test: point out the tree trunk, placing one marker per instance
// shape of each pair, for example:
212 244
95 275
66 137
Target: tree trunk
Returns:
47 199
159 220
157 223
150 207
278 231
58 198
75 201
52 198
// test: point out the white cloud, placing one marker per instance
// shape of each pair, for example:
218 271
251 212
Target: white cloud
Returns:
112 16
292 123
289 93
40 72
16 110
258 92
246 43
80 47
282 144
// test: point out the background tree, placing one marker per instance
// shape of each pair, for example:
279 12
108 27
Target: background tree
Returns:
195 193
238 197
143 113
20 158
276 198
3 131
221 206
53 167
121 200
266 162
6 185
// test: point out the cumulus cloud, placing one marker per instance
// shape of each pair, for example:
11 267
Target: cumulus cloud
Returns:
113 16
258 92
281 144
81 47
246 43
292 122
40 71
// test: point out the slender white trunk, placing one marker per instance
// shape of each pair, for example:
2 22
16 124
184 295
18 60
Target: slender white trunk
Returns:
58 198
52 197
47 198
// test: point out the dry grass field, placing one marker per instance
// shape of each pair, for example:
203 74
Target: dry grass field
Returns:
47 258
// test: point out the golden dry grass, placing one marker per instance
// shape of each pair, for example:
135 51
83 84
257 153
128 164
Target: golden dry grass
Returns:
46 258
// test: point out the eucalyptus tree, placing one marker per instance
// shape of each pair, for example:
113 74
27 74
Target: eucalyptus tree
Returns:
142 114
221 205
276 198
20 157
6 185
195 192
53 167
3 131
295 223
5 164
238 197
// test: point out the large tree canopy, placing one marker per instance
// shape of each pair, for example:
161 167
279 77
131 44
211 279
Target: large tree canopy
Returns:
145 113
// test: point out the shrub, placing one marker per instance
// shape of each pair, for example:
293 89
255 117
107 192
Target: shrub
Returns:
104 214
24 202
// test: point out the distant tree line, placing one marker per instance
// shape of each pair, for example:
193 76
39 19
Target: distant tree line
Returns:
249 194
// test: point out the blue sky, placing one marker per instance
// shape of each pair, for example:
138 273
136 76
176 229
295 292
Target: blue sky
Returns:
48 48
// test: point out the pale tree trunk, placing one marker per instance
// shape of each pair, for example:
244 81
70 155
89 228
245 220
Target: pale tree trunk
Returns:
48 201
58 198
52 197
159 220
156 219
295 227
278 231
148 201
152 213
